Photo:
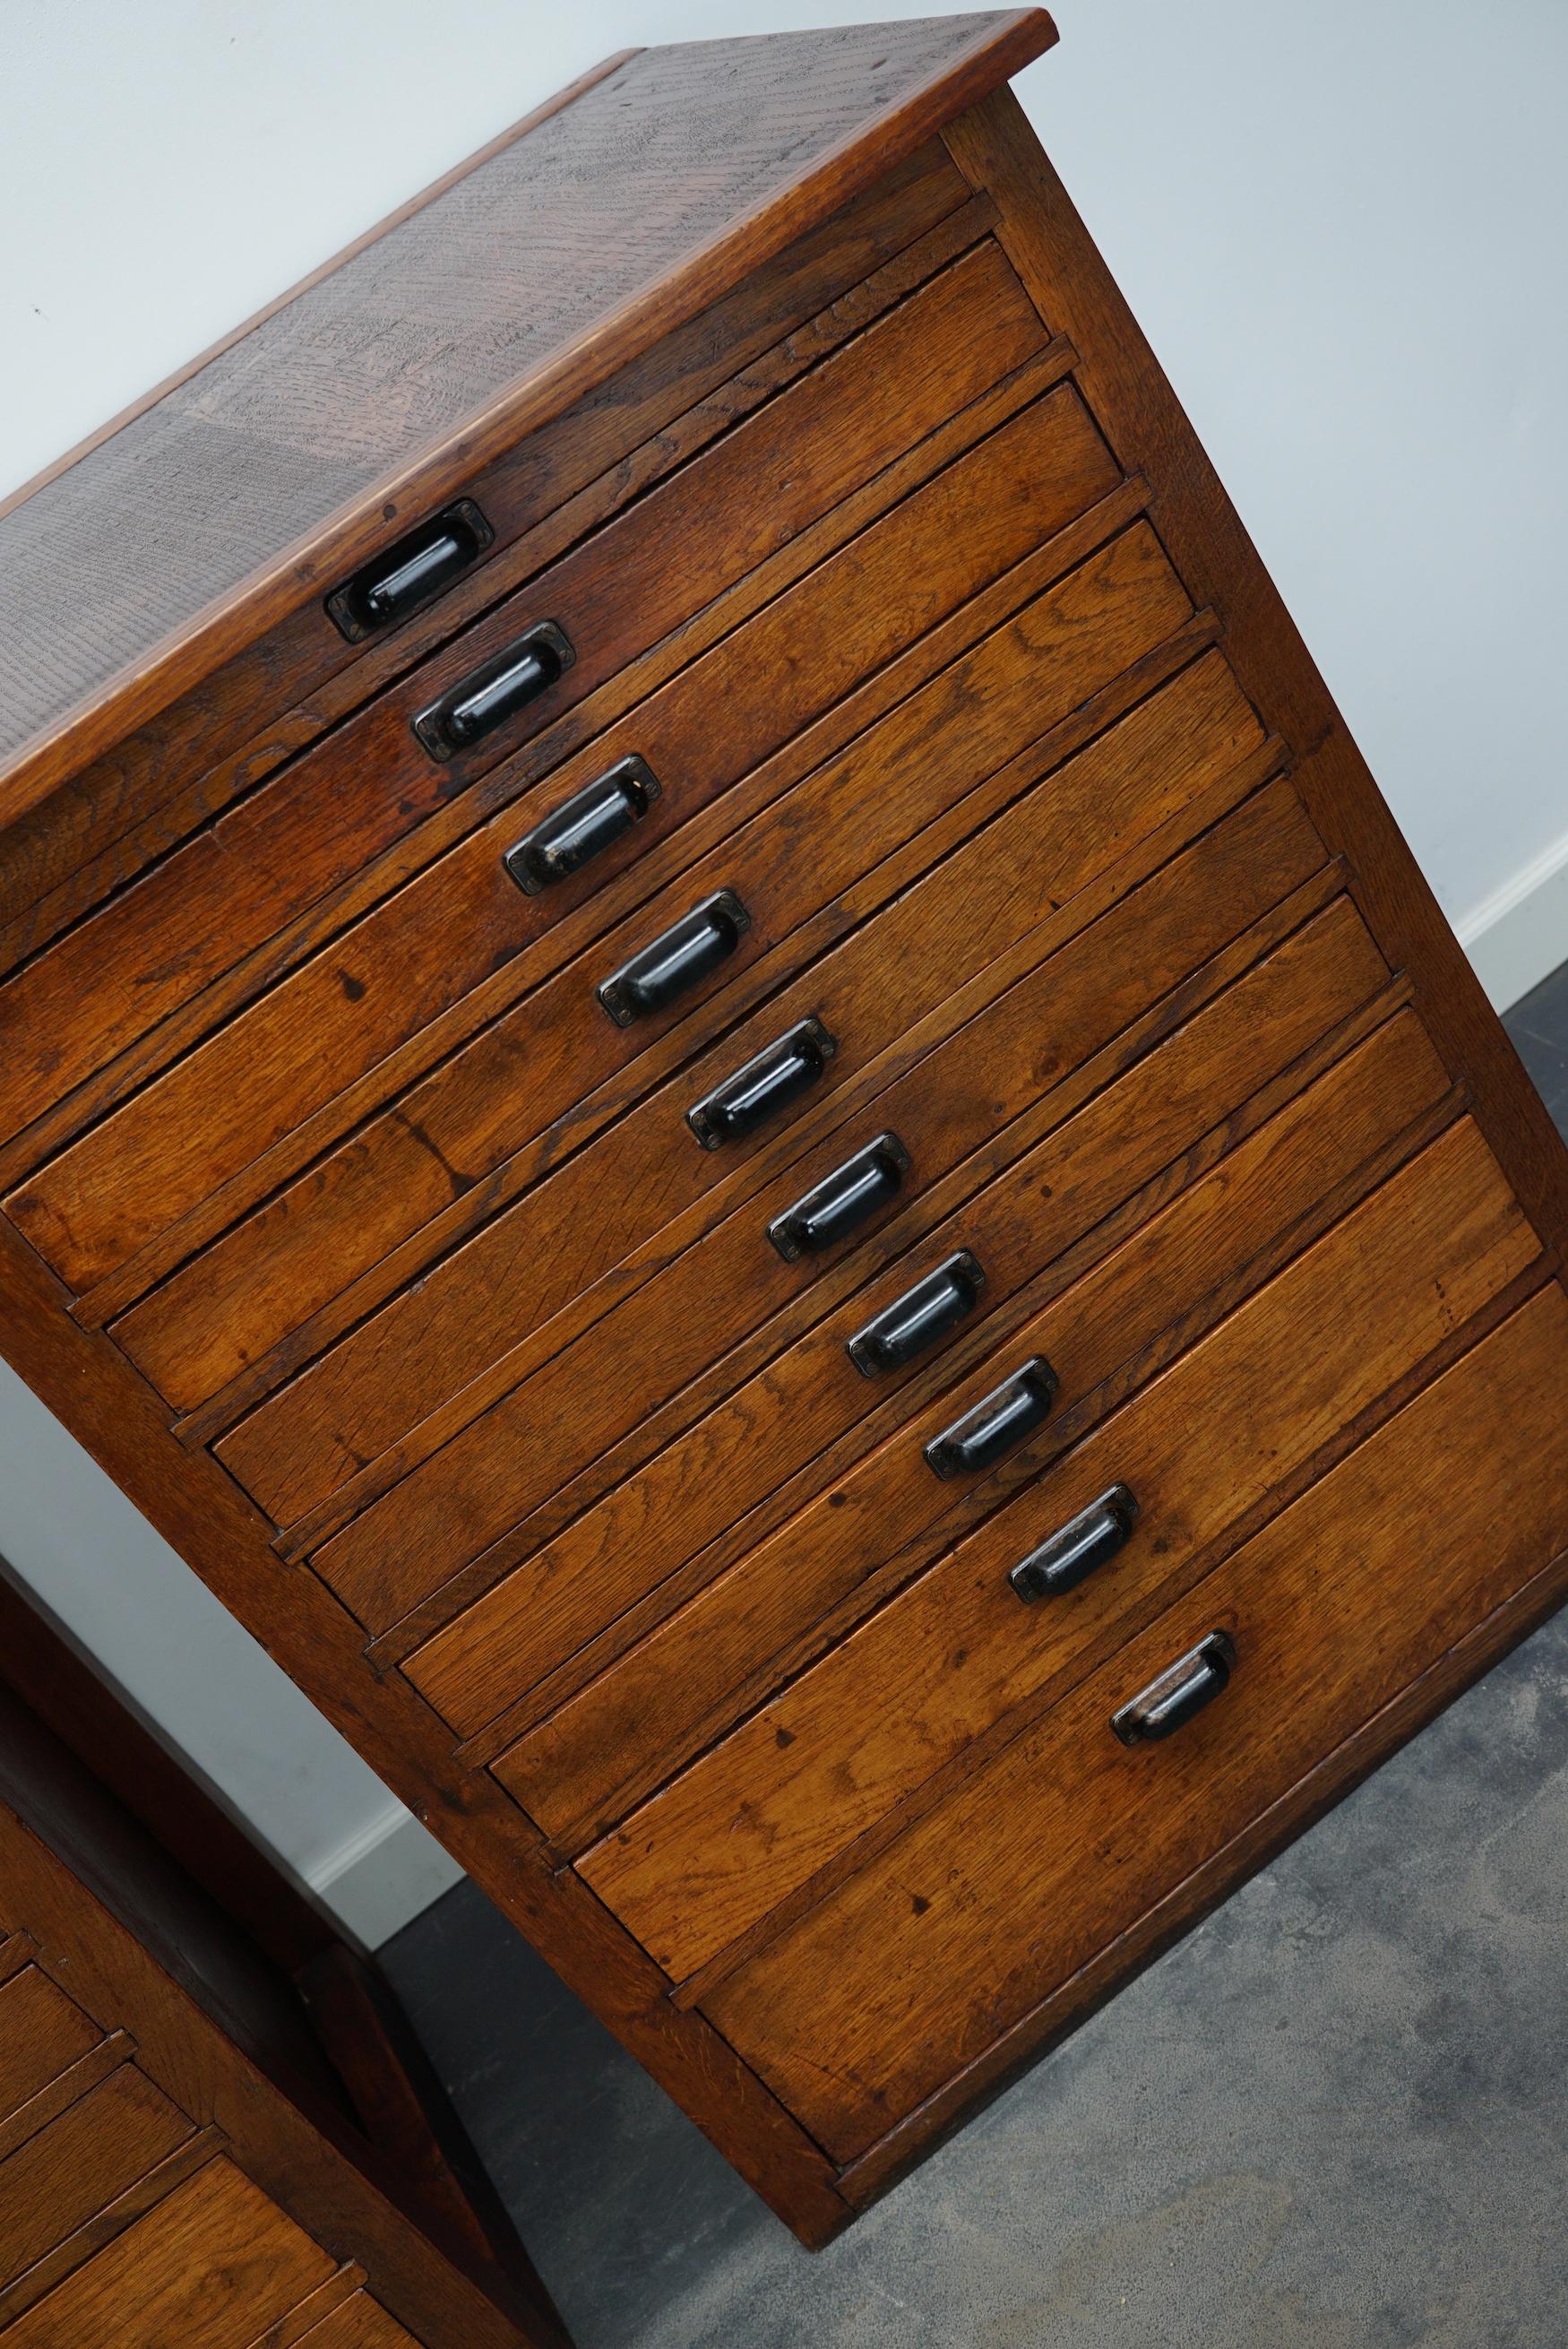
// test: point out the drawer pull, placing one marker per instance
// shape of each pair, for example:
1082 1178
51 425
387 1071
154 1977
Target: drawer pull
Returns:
584 826
997 1425
1071 1554
764 1086
495 692
413 572
921 1317
686 953
1168 1703
843 1201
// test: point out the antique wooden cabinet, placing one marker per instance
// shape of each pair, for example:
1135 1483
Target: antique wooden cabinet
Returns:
216 2127
720 1081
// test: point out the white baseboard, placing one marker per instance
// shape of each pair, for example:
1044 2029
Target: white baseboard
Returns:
378 1879
1519 935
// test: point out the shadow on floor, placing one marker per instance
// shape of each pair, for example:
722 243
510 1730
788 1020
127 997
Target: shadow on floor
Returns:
1335 2116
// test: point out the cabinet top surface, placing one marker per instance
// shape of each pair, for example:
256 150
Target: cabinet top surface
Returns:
629 202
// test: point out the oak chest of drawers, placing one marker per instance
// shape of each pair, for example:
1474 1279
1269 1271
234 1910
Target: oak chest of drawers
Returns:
722 1083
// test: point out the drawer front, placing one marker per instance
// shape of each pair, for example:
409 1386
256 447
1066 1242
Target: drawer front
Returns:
698 737
489 1294
626 587
42 2033
1235 1417
94 2151
210 2268
806 1398
880 1521
984 1907
468 1493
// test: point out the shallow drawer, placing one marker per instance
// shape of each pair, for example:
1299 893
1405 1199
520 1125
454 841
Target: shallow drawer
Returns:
480 1484
628 584
878 1522
990 1902
804 1398
85 2159
42 2033
1237 1415
976 523
210 2268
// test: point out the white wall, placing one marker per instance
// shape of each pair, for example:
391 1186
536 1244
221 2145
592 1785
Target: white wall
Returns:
1344 228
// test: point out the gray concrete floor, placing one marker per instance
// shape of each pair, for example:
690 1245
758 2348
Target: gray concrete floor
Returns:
1334 2116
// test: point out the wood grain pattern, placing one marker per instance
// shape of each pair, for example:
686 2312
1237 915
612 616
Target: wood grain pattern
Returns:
991 1901
935 749
432 1168
872 1530
82 2162
465 920
652 195
210 2268
760 1814
465 1496
1063 1184
642 575
707 727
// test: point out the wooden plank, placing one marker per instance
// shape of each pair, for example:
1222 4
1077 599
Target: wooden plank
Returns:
1143 1127
823 1760
870 1531
914 1968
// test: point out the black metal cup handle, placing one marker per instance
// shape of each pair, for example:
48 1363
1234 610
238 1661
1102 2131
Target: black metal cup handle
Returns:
1074 1552
996 1426
1168 1703
584 826
844 1200
495 692
764 1086
402 579
918 1319
681 957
